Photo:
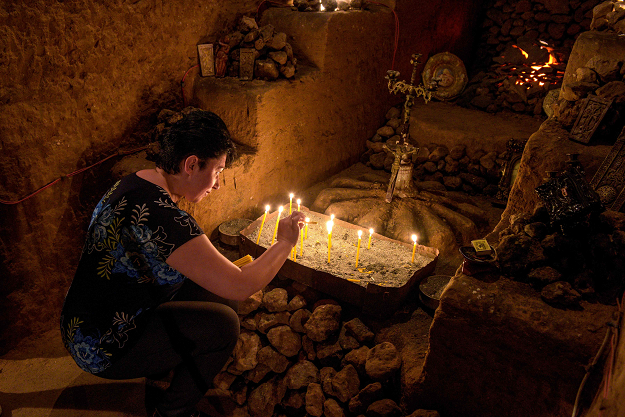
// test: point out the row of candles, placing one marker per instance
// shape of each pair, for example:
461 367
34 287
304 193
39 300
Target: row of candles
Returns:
329 226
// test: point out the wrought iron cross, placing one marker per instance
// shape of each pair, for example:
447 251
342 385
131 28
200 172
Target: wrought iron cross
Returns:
403 149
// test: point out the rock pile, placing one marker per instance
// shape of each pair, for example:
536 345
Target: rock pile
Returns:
273 55
292 361
565 268
519 35
471 170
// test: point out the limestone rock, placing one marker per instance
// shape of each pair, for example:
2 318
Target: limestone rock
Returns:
359 330
519 253
314 399
247 24
384 408
285 340
276 300
288 70
386 131
265 397
332 409
308 347
277 362
346 340
301 374
293 403
267 321
324 321
357 358
383 362
245 351
297 302
251 303
367 396
346 383
277 41
393 113
543 276
325 378
560 293
266 69
329 354
425 413
298 319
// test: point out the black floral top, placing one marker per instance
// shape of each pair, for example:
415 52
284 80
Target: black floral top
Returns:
122 275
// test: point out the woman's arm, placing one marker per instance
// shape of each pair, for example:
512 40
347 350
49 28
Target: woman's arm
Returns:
200 261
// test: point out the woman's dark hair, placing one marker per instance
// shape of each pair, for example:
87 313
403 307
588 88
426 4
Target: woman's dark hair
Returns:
201 133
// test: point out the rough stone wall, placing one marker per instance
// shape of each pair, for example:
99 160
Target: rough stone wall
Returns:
78 80
81 80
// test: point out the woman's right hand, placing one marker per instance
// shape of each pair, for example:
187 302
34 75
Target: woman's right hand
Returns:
289 227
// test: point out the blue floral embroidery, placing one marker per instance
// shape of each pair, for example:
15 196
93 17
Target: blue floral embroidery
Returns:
87 353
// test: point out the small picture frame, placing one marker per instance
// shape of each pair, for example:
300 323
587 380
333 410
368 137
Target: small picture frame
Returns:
206 54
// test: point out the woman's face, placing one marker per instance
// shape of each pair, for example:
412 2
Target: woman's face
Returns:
203 181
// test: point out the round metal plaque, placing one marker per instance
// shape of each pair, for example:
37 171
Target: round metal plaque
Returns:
450 73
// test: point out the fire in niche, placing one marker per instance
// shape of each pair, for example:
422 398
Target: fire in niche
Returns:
534 67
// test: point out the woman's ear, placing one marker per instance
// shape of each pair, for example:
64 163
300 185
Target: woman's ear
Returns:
189 164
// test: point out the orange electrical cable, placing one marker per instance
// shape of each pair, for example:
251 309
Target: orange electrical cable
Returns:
78 171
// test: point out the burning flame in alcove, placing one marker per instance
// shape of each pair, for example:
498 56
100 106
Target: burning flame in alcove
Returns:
538 73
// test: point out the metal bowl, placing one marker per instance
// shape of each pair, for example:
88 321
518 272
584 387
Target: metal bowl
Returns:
229 231
431 288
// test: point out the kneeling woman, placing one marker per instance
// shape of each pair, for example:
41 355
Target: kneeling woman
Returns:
151 292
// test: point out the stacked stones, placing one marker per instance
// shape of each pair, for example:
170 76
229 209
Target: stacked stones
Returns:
473 171
602 76
507 83
291 361
273 54
589 264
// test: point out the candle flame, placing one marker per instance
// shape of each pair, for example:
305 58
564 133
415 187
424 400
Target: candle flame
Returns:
291 195
359 234
299 201
307 219
414 238
370 231
329 225
267 207
280 209
331 217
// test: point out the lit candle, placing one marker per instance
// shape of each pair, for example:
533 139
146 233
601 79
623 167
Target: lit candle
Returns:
277 221
290 203
329 226
414 246
307 221
301 246
262 224
298 204
370 234
358 248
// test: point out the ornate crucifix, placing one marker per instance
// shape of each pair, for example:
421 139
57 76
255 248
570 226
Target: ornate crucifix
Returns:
401 171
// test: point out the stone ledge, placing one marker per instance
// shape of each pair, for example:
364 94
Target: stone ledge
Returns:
495 345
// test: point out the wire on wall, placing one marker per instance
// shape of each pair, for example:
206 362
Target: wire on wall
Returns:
78 171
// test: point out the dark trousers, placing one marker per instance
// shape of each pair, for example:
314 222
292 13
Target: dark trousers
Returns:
194 334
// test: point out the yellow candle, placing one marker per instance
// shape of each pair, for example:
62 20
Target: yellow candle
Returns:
290 203
299 202
370 234
329 226
301 246
414 246
307 221
358 248
262 224
277 221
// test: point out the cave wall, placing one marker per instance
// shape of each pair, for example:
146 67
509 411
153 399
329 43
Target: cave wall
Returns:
81 80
